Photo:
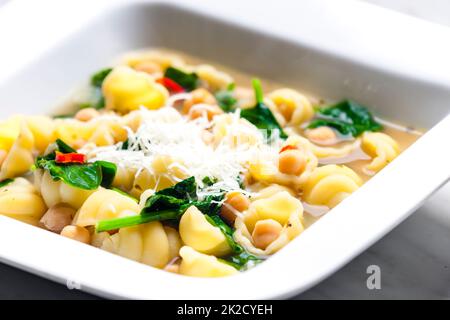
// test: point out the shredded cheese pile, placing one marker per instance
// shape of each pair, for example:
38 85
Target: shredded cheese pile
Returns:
164 132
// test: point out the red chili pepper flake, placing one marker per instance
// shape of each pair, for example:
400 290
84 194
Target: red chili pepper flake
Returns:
171 85
70 158
288 147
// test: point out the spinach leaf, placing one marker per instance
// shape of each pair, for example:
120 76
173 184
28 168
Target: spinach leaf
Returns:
171 203
347 117
226 100
100 76
97 100
189 81
109 171
216 221
261 116
85 176
184 190
239 257
64 147
88 176
167 204
242 260
209 181
5 182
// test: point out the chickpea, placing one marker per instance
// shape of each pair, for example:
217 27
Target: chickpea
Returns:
234 201
86 114
76 233
3 155
292 162
57 217
322 135
198 96
266 232
148 67
201 110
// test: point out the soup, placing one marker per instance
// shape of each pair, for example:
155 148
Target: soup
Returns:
192 168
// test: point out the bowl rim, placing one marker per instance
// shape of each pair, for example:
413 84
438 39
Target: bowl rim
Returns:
42 252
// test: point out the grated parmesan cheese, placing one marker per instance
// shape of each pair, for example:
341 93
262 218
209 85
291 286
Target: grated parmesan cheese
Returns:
165 132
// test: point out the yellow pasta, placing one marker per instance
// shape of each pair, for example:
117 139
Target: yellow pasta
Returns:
56 192
235 132
279 206
265 169
20 156
198 233
382 148
147 243
215 79
293 106
105 204
43 131
126 89
9 131
154 61
102 132
330 184
196 264
20 200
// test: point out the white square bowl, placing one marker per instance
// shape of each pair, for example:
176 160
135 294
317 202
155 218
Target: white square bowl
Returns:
399 69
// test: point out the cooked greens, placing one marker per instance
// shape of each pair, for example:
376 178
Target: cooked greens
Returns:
347 117
241 261
5 182
100 76
97 100
226 100
239 257
167 204
260 115
189 81
87 176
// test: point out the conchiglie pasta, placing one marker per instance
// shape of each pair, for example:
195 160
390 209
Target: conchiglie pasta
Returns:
335 152
233 131
105 204
56 192
265 168
43 130
281 207
102 132
126 89
124 178
198 233
165 171
9 131
20 200
158 61
149 243
196 264
382 148
20 157
330 184
215 79
293 106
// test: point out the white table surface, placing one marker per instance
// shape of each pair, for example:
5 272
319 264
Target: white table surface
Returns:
414 258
